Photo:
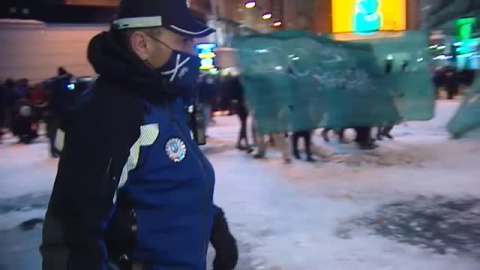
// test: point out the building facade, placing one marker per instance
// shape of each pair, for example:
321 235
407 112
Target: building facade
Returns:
229 17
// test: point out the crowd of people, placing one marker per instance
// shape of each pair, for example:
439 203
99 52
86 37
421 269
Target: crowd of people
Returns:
451 80
225 93
22 108
25 106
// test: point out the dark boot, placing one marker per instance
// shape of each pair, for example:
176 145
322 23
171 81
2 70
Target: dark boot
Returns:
325 134
241 147
258 156
341 135
296 154
367 146
380 134
308 146
386 132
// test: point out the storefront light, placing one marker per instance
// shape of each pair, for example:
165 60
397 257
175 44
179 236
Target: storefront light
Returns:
250 4
277 24
267 16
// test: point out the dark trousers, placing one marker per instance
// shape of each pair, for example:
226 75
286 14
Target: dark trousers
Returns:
53 124
363 135
243 136
306 135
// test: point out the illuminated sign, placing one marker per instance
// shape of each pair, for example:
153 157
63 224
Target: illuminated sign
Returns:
206 55
363 16
464 28
464 31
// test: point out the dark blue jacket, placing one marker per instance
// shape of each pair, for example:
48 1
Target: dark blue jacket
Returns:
129 140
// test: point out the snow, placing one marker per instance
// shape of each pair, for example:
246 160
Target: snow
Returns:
21 21
287 215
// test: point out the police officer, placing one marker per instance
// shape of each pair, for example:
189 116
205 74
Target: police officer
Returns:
129 150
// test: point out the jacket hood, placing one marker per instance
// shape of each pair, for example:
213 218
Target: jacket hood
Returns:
117 65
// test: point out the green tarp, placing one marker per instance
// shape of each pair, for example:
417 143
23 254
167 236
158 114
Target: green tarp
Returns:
467 117
410 79
295 80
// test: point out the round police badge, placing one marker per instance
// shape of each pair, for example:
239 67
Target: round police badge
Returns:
176 150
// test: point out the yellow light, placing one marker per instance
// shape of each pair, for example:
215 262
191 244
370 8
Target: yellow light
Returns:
267 16
206 67
277 23
250 4
207 55
392 15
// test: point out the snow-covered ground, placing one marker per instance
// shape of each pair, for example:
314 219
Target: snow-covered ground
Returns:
286 216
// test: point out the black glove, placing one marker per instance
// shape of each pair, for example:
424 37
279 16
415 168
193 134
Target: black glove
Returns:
224 243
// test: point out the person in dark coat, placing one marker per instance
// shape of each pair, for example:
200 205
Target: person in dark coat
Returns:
385 130
307 138
60 102
128 149
21 89
452 84
238 97
207 92
23 122
363 137
9 100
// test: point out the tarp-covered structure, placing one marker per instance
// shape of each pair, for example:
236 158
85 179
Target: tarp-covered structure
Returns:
295 80
467 117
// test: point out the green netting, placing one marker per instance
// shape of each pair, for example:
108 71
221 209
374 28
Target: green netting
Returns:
467 118
410 77
295 81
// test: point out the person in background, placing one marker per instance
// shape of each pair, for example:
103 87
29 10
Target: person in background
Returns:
38 97
364 138
9 88
438 79
451 84
307 138
60 102
238 97
280 141
385 130
338 131
21 89
207 94
23 123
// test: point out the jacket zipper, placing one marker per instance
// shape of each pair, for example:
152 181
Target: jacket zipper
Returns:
109 172
197 157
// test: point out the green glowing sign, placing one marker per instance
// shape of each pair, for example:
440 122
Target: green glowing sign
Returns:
464 28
